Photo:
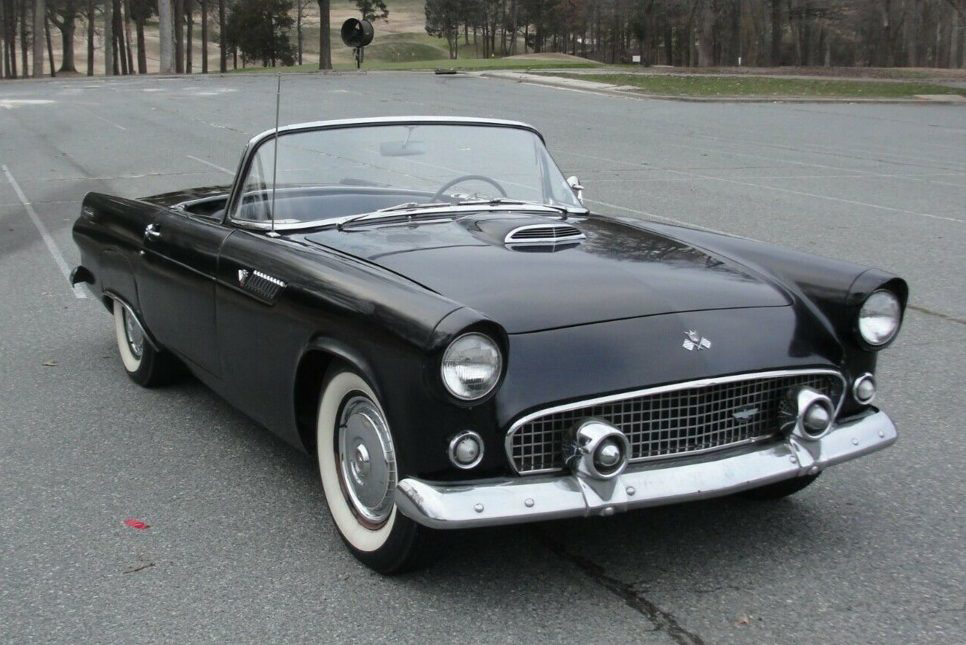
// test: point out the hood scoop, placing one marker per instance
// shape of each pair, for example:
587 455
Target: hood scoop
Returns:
543 234
528 233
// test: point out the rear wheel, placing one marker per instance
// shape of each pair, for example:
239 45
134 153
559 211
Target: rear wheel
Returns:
145 365
359 469
780 489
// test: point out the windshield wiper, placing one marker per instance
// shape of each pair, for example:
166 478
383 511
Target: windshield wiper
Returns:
390 212
498 201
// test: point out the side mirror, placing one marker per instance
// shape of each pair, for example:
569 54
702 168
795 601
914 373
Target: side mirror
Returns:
575 186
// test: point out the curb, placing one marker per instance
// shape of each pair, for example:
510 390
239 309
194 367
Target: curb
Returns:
631 92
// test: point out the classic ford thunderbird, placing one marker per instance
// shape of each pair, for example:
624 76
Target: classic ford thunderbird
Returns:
427 305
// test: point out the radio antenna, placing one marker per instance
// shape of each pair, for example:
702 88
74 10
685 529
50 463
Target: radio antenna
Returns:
278 103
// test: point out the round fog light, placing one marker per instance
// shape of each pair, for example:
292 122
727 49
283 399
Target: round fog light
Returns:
608 454
817 419
466 450
864 389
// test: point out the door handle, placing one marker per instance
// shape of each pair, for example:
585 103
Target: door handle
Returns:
152 231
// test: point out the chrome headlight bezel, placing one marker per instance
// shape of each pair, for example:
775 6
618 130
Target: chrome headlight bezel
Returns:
452 381
875 305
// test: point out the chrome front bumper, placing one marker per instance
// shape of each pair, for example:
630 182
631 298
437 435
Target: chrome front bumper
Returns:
514 500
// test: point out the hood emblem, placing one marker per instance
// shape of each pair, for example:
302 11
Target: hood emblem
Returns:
745 414
243 277
694 341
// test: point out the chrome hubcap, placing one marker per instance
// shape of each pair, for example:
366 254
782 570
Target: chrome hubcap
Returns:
367 460
135 336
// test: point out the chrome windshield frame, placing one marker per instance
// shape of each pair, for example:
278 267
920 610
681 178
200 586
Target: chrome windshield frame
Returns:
256 142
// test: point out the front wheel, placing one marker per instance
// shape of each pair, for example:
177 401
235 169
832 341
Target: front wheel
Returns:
359 469
781 489
145 365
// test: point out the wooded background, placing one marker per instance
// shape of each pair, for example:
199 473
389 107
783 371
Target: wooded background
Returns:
689 33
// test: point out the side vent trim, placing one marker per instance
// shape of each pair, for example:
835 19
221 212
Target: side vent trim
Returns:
260 284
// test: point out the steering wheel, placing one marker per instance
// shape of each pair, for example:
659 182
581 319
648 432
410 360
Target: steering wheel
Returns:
439 193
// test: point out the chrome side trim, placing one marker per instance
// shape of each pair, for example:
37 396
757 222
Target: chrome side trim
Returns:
684 385
512 500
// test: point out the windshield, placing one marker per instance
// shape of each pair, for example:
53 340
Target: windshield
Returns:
342 172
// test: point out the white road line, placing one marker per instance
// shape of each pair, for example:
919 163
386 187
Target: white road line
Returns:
773 188
208 163
97 116
48 240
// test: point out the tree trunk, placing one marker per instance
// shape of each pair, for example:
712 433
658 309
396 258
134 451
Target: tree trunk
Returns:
189 47
40 12
120 58
166 35
706 35
50 47
127 36
108 38
325 47
298 28
912 34
222 54
11 18
513 28
776 33
23 38
67 44
953 39
90 37
178 15
142 55
204 36
5 66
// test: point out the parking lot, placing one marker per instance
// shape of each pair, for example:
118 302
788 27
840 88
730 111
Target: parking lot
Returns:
239 546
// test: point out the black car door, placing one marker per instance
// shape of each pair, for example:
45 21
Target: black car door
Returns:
176 284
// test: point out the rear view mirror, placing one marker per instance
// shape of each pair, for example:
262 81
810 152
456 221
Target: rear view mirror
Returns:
407 148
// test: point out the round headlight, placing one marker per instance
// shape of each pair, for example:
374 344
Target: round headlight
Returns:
879 317
471 366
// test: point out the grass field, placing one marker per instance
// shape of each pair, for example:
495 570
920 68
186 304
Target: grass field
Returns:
727 86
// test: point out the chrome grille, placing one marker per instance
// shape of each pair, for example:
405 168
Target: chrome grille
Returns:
669 421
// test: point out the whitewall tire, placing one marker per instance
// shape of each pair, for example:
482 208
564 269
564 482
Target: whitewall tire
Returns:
359 472
145 365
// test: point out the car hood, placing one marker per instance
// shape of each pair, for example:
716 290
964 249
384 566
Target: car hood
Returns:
616 271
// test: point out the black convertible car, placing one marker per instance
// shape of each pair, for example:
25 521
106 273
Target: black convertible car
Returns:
426 304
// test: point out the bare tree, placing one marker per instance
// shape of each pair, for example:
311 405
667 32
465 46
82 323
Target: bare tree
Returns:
108 38
189 7
63 13
23 36
127 36
222 54
166 35
325 46
300 6
178 7
204 36
90 36
40 14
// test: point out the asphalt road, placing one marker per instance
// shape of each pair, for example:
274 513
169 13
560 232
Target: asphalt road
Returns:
239 548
